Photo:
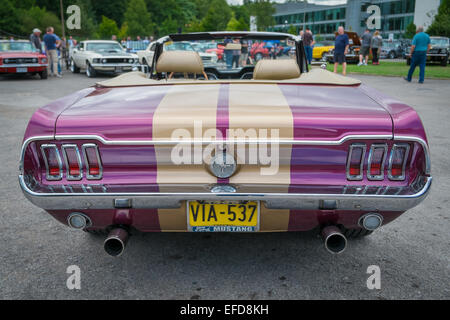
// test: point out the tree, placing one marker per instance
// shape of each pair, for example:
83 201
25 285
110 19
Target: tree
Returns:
441 22
88 22
112 9
233 24
410 31
263 10
217 17
36 17
292 30
9 19
138 19
107 28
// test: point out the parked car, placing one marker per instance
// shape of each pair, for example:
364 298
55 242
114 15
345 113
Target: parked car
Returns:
439 52
146 56
391 49
321 49
101 56
259 50
21 57
216 48
353 50
284 149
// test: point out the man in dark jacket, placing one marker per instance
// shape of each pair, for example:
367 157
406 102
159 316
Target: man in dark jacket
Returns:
35 39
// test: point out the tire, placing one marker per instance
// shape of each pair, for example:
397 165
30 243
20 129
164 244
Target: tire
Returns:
90 72
43 74
444 62
408 61
73 67
355 233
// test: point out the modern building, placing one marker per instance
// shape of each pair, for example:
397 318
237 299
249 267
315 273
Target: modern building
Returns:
391 16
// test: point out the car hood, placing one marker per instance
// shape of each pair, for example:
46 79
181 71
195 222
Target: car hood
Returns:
304 112
115 54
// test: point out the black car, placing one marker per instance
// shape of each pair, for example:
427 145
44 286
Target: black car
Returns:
392 49
439 52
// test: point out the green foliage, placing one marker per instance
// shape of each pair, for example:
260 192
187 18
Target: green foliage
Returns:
292 30
233 24
9 19
88 20
410 31
138 19
113 9
441 23
36 17
263 10
107 28
217 17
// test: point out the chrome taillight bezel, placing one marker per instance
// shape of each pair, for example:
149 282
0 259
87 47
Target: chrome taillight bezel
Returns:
66 161
100 167
353 146
383 161
405 160
48 176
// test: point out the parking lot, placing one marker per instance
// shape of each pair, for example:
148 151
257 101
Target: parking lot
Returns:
412 252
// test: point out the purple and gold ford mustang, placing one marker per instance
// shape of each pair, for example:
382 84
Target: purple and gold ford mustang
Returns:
229 147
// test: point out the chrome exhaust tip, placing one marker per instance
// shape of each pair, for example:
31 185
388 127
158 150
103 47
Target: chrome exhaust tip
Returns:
116 241
335 242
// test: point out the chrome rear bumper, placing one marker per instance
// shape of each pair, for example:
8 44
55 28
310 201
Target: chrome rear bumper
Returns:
359 200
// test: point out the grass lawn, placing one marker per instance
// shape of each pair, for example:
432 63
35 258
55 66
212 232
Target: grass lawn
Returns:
399 69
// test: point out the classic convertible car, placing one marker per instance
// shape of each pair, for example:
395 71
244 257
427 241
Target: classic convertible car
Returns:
21 57
263 148
101 56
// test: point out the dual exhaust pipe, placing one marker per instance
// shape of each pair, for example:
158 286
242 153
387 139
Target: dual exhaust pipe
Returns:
115 243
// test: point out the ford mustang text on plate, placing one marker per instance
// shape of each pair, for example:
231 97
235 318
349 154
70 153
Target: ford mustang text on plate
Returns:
256 148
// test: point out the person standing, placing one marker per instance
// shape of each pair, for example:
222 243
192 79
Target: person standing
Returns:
35 39
228 53
236 53
51 43
366 39
244 52
308 42
419 49
376 44
341 45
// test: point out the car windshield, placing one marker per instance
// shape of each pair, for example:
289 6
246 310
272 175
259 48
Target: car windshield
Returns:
442 42
16 46
104 47
235 53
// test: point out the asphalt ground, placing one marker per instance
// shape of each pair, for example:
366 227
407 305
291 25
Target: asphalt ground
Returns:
412 252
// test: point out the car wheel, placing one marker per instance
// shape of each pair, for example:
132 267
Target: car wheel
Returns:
258 56
73 67
444 62
90 72
391 55
355 233
43 74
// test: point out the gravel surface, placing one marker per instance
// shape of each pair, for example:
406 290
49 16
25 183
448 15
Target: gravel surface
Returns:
412 252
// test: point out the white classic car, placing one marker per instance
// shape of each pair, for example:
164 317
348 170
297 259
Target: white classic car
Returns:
146 56
101 56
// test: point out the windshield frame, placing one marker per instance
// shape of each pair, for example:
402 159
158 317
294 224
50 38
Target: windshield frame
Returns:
119 47
32 47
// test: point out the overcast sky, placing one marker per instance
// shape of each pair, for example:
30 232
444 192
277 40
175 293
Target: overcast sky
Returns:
330 2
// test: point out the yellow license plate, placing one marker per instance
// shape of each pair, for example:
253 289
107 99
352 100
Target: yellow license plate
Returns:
223 217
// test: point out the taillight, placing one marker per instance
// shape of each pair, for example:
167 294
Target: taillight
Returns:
73 162
397 161
94 168
52 160
377 156
355 161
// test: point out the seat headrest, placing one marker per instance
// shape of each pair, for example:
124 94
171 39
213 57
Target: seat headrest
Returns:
180 61
276 70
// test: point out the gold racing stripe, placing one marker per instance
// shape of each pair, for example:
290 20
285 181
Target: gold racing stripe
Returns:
179 109
263 106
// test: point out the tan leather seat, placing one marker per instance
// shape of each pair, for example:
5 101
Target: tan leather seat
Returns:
181 62
276 70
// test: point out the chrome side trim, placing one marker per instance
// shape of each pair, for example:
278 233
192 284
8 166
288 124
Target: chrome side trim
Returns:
369 166
298 201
